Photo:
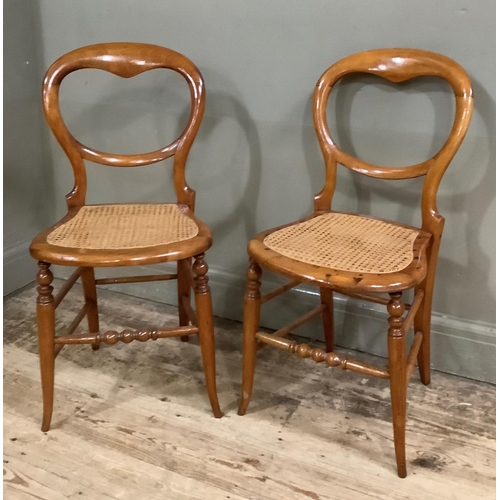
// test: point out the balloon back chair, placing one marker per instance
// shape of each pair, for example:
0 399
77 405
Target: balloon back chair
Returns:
362 256
116 235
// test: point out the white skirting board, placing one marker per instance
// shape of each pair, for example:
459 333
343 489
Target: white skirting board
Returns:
460 347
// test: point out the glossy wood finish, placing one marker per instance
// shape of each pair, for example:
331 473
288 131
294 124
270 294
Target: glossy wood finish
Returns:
59 342
137 427
397 377
279 291
326 295
395 65
124 60
40 249
135 279
90 296
184 292
45 313
251 316
111 337
203 299
331 359
67 286
342 280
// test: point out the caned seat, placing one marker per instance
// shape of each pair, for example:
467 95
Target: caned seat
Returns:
357 255
115 227
343 250
118 235
121 234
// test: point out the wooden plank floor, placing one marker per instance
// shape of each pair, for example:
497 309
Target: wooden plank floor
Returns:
133 422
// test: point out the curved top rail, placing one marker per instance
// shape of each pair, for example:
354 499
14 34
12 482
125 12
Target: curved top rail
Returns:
125 60
396 65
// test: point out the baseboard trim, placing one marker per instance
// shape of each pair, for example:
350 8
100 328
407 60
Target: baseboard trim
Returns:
19 268
459 347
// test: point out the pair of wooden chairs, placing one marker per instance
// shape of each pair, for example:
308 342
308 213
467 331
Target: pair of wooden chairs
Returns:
359 256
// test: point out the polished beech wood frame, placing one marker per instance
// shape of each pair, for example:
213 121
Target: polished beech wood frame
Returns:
395 65
125 60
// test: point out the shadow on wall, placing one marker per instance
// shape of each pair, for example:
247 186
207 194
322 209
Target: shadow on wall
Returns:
221 106
28 182
466 284
455 281
27 192
231 229
247 205
49 192
118 121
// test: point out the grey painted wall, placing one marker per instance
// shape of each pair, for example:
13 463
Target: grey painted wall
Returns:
28 187
256 162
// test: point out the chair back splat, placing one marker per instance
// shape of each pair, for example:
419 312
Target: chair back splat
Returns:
395 65
125 60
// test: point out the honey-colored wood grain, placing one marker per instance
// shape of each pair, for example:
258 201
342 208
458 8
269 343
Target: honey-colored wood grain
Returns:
331 359
45 312
184 277
395 65
90 297
279 290
412 356
67 286
397 378
125 60
135 279
337 279
326 295
134 421
205 318
302 320
40 249
251 315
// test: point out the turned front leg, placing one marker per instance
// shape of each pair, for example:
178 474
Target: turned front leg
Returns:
203 299
251 319
45 313
397 376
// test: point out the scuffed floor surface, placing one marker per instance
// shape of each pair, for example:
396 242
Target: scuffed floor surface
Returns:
133 422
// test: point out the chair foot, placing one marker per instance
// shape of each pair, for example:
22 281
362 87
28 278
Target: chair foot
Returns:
423 324
425 378
95 347
402 471
244 402
203 299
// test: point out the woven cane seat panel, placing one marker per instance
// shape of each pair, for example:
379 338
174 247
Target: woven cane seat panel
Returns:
110 227
347 243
